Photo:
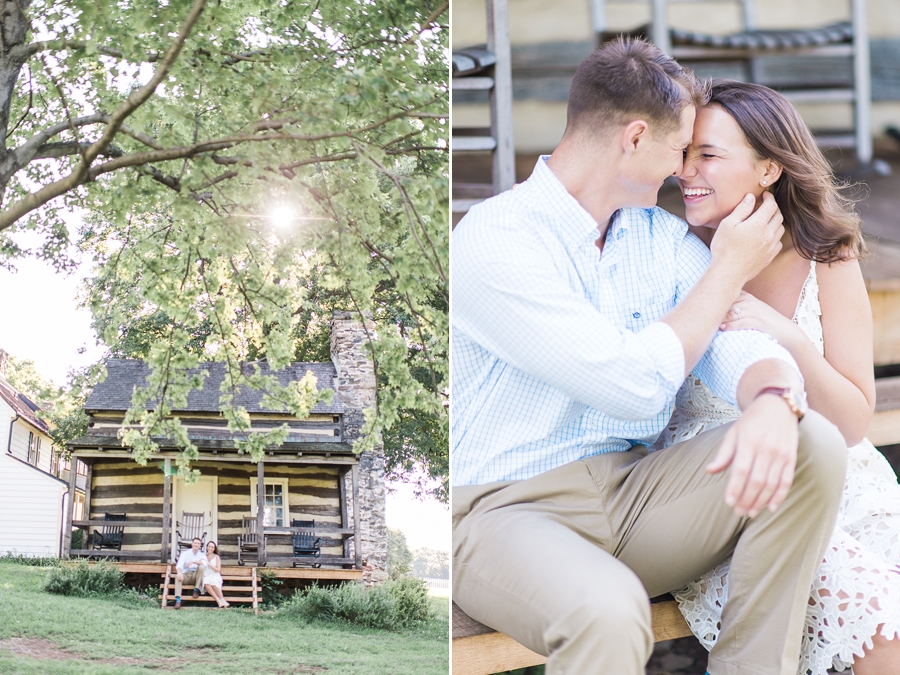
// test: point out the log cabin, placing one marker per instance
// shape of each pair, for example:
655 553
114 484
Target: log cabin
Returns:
315 475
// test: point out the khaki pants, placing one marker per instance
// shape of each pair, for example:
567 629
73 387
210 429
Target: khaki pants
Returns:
193 576
564 562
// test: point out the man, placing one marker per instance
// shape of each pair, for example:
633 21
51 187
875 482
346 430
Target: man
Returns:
190 567
575 320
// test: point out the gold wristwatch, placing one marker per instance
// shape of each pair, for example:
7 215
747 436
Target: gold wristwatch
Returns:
796 400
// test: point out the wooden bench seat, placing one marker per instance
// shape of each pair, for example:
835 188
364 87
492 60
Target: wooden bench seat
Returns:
479 650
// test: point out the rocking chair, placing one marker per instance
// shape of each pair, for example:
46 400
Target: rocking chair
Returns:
190 528
110 536
248 539
305 543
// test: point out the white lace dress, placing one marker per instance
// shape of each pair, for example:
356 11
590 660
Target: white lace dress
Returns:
857 588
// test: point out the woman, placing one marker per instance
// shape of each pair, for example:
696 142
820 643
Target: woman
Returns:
811 298
212 577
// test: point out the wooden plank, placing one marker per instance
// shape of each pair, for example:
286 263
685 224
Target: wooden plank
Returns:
342 486
100 522
493 652
321 573
149 554
881 268
165 595
881 272
255 595
167 510
884 429
87 489
667 621
472 83
141 568
886 326
473 143
260 515
70 509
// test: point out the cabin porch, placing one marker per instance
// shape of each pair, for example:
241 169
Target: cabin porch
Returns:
280 497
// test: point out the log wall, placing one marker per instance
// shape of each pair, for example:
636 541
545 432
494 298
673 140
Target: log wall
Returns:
124 487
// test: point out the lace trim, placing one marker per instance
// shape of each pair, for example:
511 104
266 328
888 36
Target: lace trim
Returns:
857 588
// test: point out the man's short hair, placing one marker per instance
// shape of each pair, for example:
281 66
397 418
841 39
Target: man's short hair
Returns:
628 79
196 539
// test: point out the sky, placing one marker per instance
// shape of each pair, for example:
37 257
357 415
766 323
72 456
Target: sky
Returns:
40 320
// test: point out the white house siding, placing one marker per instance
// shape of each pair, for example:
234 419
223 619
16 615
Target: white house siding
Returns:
31 504
5 416
19 446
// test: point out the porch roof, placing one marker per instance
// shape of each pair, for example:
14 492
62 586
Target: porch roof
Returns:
22 406
315 445
124 375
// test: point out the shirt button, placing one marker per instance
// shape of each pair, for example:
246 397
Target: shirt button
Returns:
620 234
636 315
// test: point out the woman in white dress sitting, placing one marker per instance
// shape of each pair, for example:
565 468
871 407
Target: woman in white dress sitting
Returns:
212 577
812 299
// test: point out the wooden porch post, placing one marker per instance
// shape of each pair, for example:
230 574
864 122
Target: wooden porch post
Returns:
345 521
167 511
87 489
70 510
357 544
260 514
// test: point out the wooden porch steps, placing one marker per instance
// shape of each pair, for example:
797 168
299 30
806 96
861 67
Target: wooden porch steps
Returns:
247 593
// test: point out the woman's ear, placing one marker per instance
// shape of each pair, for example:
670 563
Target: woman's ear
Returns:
771 173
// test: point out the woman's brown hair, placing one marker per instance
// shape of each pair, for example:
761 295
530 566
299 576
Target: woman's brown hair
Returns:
817 212
215 547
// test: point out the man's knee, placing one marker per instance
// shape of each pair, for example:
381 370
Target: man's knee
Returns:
821 456
606 622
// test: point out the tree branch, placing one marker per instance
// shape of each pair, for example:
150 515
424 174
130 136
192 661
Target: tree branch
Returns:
117 119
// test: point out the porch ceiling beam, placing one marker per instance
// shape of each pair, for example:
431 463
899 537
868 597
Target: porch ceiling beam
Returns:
273 459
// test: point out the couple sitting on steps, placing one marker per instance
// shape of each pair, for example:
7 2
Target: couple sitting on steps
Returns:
588 473
203 570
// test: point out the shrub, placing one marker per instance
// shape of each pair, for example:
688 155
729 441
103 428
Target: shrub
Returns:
269 588
395 605
411 595
77 539
19 559
83 579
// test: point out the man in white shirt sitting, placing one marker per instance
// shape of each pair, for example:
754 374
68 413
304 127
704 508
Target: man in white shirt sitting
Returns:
190 567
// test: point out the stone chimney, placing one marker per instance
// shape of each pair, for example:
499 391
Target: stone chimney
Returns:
4 361
355 384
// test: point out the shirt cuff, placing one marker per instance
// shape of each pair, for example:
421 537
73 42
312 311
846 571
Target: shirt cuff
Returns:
663 345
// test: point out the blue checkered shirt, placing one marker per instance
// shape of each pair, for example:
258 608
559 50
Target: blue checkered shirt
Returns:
558 352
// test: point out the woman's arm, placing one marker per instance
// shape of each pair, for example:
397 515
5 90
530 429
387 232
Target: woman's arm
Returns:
840 386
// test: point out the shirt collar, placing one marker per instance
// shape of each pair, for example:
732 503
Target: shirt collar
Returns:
574 224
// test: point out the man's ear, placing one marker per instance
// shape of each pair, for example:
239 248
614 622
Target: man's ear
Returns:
633 135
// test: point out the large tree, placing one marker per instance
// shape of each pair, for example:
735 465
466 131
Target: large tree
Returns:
242 168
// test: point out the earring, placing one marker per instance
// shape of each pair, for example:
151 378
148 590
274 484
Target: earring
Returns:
764 182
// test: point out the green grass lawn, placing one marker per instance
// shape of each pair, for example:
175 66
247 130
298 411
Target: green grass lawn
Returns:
45 634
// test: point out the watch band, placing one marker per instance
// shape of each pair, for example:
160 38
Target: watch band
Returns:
796 403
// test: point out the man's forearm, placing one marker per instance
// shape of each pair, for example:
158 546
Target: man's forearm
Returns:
762 374
697 318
